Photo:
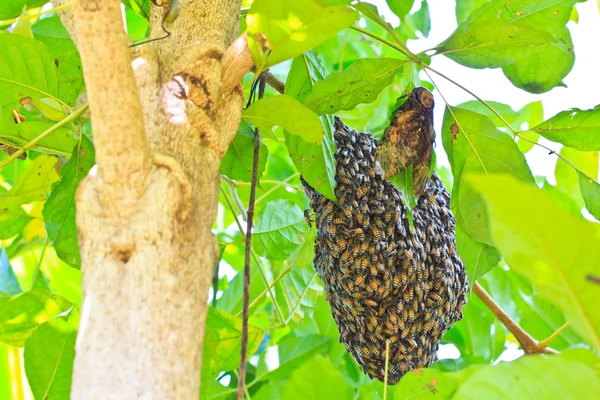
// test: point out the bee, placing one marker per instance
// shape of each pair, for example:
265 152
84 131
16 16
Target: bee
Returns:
342 244
374 286
363 247
371 303
359 219
358 232
330 230
378 234
346 257
411 315
360 280
399 308
356 250
373 270
347 213
405 333
404 277
339 221
396 281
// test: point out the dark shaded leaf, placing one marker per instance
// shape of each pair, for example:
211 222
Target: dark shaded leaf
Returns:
237 162
59 210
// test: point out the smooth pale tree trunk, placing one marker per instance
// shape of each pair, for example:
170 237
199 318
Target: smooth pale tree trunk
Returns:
163 115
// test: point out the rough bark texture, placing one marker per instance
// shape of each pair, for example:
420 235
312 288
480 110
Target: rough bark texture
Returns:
144 215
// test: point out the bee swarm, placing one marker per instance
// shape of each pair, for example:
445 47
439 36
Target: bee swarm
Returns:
383 282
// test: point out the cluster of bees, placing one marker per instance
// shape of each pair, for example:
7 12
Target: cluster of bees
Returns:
387 285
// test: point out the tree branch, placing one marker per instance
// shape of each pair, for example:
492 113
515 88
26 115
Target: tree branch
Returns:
237 61
122 152
528 343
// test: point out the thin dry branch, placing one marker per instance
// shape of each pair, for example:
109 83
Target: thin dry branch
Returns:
249 223
122 152
528 343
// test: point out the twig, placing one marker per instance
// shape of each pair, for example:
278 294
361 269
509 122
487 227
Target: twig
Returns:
43 135
215 286
249 222
274 82
528 343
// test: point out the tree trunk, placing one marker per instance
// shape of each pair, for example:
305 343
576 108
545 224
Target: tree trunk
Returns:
144 214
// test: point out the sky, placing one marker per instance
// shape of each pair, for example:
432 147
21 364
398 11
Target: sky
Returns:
583 82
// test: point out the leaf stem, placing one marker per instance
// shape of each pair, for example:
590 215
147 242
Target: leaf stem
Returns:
549 339
53 10
379 38
71 117
271 285
279 183
528 343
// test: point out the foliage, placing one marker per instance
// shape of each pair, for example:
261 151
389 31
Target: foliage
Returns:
531 244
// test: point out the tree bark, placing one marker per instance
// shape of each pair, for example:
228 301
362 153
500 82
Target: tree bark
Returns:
144 214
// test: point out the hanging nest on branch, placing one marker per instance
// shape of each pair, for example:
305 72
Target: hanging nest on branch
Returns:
386 284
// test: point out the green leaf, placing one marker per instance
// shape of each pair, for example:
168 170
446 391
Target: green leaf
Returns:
61 141
400 7
493 43
33 184
545 69
49 354
426 384
476 146
237 163
141 7
13 8
590 190
552 377
289 29
421 19
360 83
26 70
22 314
465 7
528 116
9 285
548 245
304 254
478 258
53 34
222 343
478 336
280 228
537 67
316 163
59 210
565 173
293 350
12 219
288 113
575 128
137 25
317 379
300 291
